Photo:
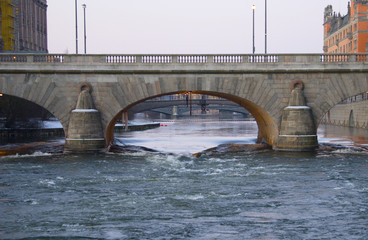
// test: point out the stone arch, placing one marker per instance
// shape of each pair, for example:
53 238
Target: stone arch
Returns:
267 128
332 89
43 91
24 104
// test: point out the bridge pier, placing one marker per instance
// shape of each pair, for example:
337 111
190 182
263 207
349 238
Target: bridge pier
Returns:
298 131
85 132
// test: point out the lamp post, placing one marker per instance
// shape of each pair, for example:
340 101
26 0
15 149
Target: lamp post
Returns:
265 26
85 29
76 26
254 10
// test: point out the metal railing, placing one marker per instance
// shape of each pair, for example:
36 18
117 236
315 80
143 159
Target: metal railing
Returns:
183 59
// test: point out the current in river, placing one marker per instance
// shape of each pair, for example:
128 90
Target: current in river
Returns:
172 194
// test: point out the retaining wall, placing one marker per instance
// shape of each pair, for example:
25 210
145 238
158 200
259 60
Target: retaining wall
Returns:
353 114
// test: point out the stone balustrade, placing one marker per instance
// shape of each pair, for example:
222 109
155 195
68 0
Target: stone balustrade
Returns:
182 59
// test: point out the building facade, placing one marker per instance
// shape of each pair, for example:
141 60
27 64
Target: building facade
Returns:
23 25
349 33
1 38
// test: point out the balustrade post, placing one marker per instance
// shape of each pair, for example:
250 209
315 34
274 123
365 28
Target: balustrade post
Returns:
29 58
316 58
68 58
353 58
175 59
281 58
139 59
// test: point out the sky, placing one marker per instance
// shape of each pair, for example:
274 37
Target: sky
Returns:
188 26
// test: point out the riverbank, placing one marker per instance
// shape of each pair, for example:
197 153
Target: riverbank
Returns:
12 134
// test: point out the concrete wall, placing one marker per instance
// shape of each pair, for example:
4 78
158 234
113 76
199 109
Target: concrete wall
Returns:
348 115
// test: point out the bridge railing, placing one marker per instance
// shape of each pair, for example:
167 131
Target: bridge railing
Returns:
182 59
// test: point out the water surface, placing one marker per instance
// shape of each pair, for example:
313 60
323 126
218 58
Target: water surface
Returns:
174 195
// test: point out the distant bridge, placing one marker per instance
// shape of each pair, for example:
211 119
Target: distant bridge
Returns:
183 106
260 83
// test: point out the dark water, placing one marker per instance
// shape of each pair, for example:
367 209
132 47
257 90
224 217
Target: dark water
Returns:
254 195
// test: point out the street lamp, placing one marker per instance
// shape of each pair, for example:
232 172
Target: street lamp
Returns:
265 26
85 29
254 10
76 26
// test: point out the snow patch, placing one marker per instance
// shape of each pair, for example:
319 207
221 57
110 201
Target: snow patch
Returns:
85 110
298 107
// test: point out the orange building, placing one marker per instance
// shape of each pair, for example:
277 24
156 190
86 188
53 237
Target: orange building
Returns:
349 33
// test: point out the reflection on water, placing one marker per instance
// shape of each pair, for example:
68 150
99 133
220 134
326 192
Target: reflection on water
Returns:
187 136
343 135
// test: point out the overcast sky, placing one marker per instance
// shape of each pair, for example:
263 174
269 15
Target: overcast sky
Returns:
188 26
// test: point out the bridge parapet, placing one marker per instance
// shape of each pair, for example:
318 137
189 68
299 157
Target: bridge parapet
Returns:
182 59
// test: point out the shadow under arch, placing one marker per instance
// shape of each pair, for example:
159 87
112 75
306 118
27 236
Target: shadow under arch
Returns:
267 128
26 107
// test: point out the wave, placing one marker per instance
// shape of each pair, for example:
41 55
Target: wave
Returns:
338 148
35 154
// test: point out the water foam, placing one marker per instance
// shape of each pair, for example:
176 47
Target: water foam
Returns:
35 154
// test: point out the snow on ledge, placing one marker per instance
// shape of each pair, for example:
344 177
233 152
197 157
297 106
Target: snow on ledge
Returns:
297 135
298 107
85 110
85 139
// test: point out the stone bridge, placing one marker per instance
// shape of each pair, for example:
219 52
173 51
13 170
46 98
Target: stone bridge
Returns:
287 94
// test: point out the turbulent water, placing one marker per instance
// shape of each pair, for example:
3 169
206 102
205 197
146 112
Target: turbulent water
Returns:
174 195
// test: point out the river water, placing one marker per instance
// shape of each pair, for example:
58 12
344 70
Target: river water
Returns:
175 195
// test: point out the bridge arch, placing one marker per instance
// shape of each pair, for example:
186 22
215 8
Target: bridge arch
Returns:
267 128
332 89
41 91
165 106
350 112
19 113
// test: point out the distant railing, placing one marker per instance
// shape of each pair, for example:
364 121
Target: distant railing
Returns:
183 59
157 59
48 58
263 58
335 58
121 59
13 58
192 59
228 59
343 58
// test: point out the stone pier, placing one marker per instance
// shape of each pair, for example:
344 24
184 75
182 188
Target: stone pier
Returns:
298 130
85 131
